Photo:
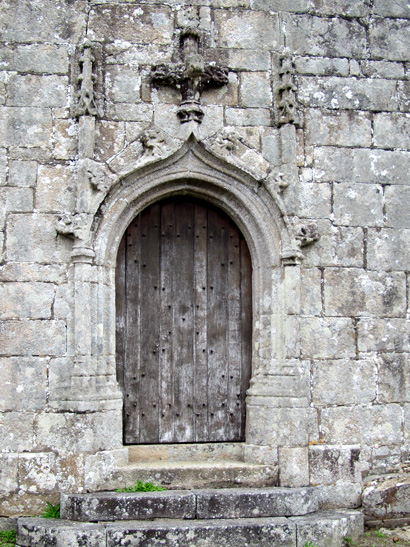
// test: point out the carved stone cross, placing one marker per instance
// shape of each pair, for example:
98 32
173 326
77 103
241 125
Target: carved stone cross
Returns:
191 76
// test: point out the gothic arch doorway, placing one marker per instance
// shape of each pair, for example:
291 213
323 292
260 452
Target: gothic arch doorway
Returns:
184 324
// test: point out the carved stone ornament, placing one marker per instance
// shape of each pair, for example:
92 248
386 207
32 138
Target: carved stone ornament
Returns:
86 105
73 225
307 234
191 76
153 143
278 180
287 105
99 177
233 148
226 140
304 234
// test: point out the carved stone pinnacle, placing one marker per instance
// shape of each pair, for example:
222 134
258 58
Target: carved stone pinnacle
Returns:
86 105
287 104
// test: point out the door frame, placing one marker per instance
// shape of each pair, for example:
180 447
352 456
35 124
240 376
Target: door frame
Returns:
278 399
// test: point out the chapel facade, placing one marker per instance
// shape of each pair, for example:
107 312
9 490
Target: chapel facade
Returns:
204 237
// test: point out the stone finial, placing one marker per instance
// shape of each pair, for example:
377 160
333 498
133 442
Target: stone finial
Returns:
191 76
86 104
287 104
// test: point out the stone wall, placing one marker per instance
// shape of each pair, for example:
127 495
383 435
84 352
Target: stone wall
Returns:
340 162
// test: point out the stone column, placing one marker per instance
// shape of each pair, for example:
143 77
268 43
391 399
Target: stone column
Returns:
93 380
278 399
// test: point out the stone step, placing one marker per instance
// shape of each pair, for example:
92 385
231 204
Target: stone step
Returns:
229 503
205 452
189 475
326 529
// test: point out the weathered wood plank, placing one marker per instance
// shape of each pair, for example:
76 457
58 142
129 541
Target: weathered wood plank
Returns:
132 323
200 396
167 269
246 326
217 322
183 322
150 321
234 334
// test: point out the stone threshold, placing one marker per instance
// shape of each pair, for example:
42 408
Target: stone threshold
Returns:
190 452
190 466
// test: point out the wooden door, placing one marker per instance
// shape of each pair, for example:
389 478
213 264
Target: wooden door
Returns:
184 320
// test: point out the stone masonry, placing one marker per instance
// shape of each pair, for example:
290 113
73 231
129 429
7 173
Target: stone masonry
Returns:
296 115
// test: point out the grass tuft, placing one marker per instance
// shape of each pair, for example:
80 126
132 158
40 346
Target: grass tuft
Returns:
51 511
7 538
141 487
